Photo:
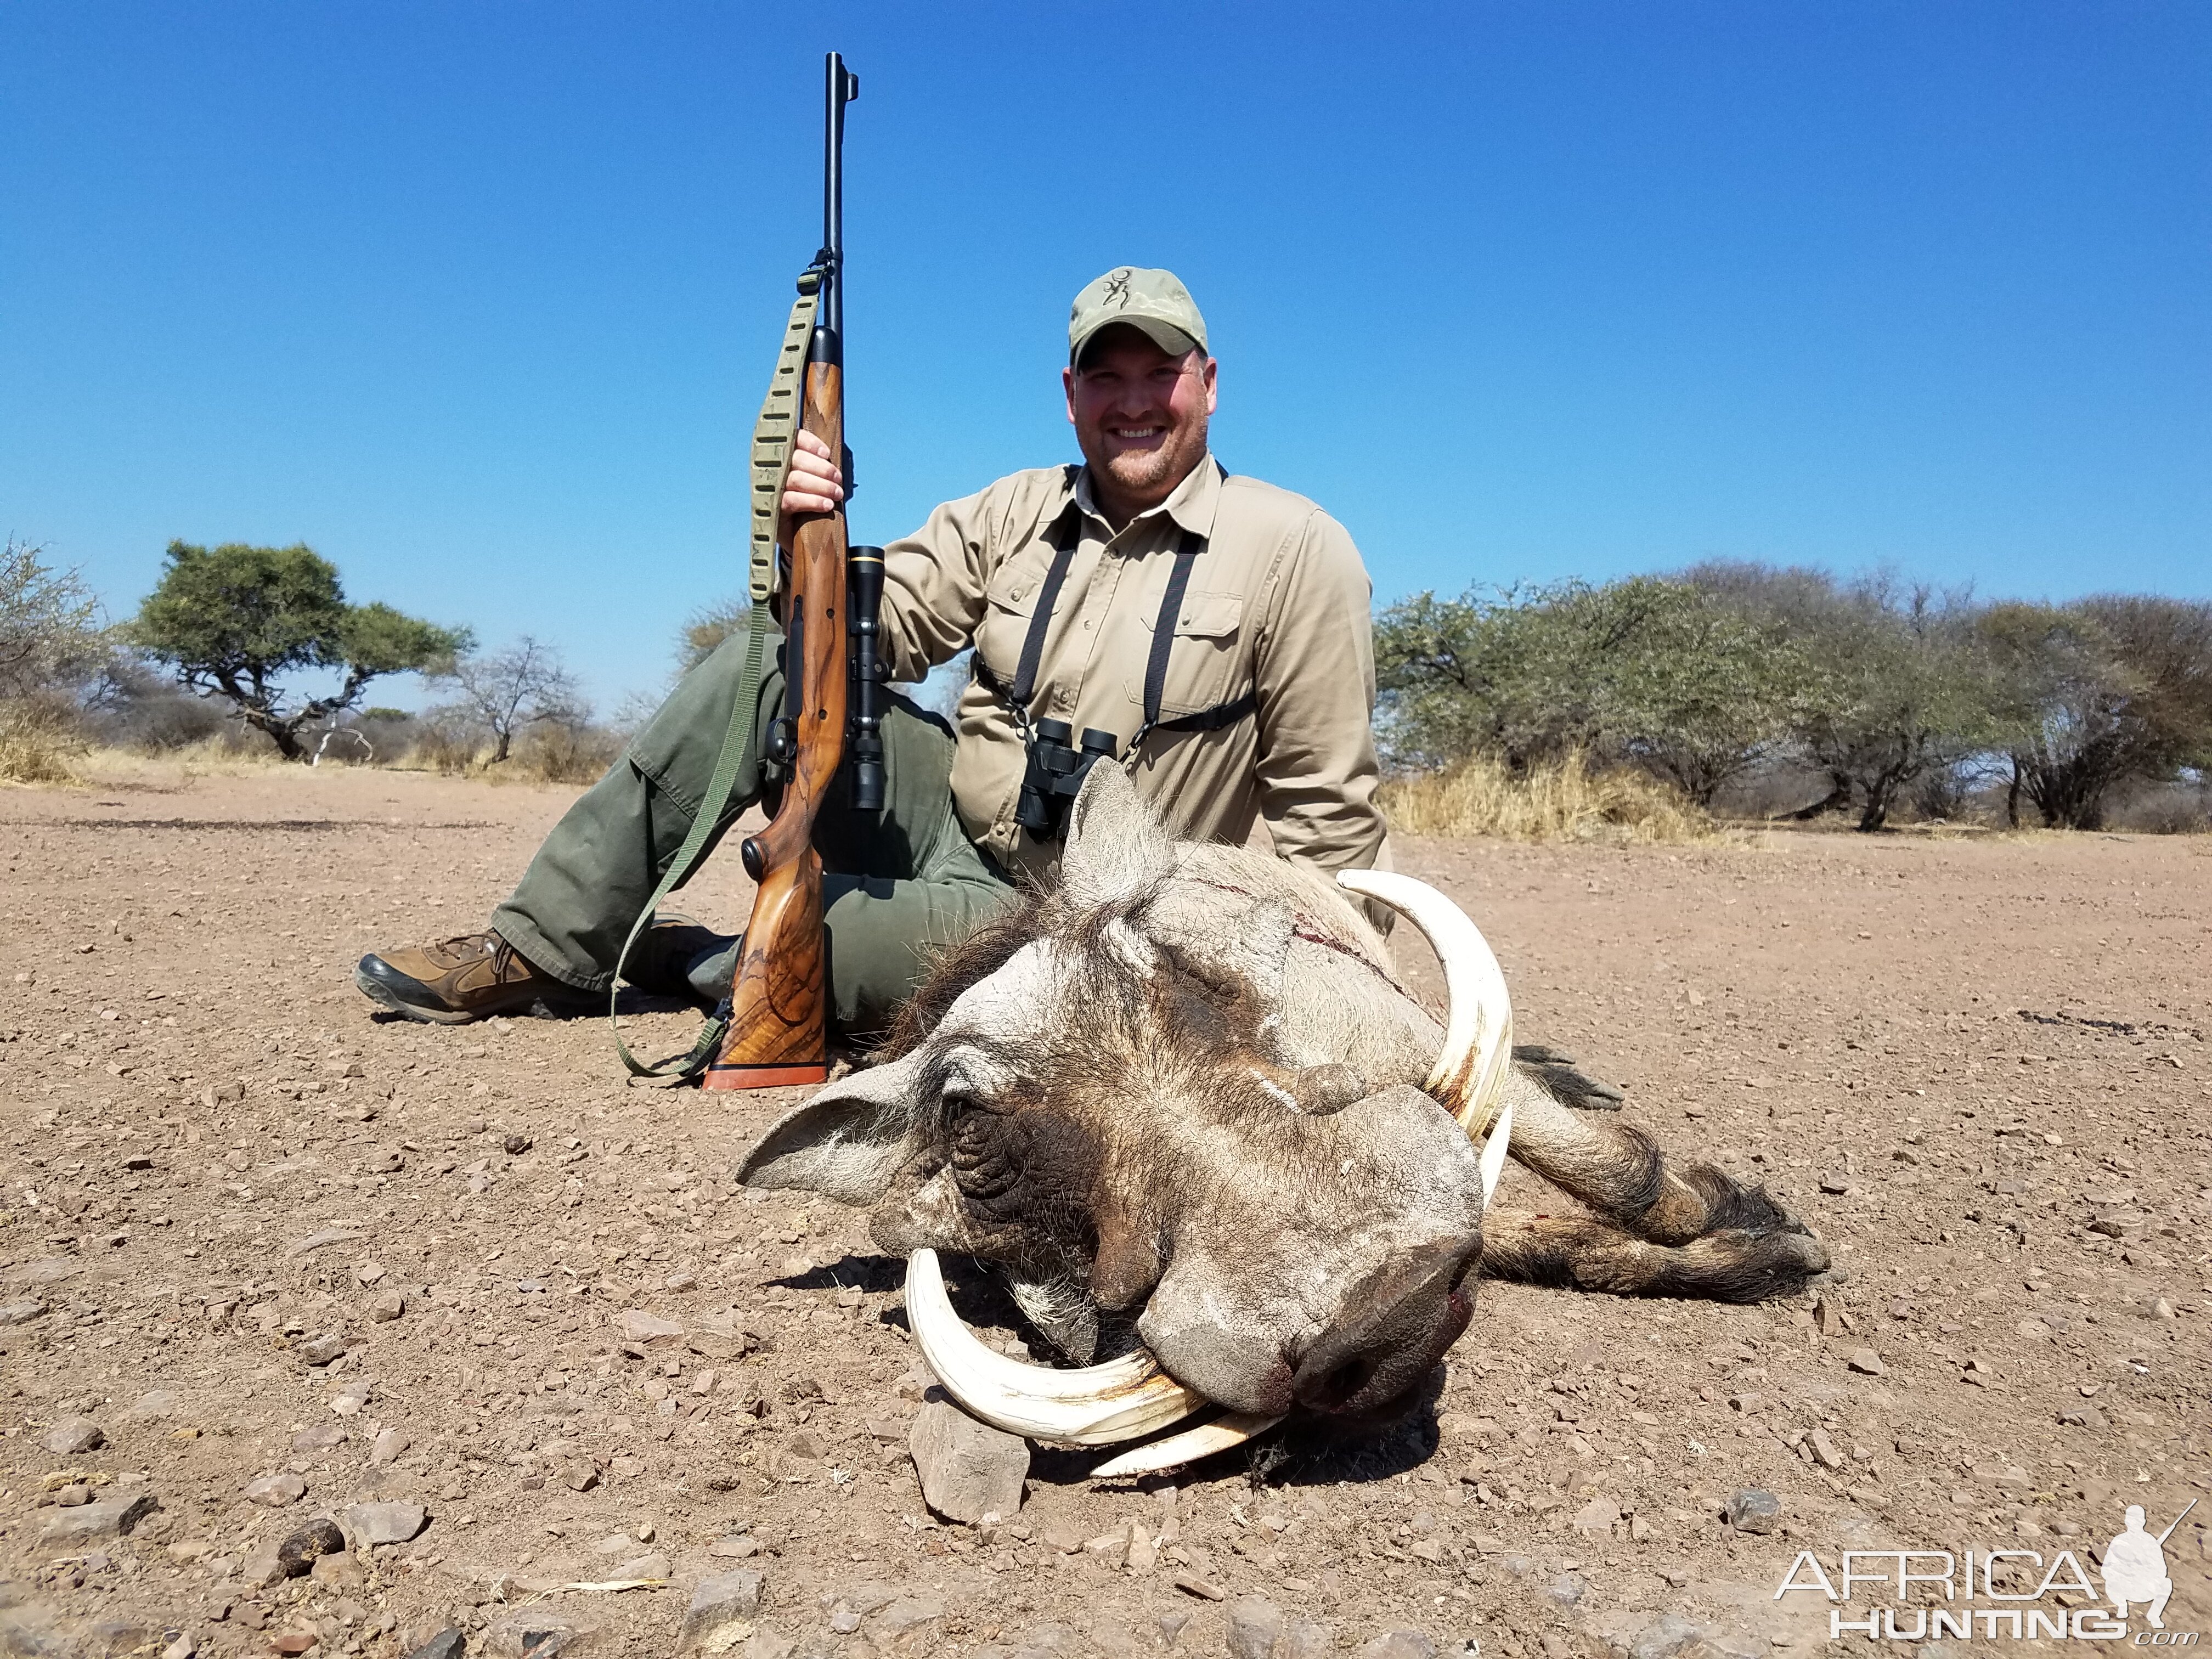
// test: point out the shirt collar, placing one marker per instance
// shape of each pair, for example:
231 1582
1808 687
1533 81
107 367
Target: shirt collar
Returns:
1191 506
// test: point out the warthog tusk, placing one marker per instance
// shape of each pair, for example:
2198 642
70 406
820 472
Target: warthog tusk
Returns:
1470 1068
1232 1429
1125 1398
1493 1152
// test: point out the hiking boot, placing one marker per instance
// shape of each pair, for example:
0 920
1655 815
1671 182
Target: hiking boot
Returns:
469 976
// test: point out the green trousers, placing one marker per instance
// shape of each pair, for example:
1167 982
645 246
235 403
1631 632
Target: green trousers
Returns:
898 884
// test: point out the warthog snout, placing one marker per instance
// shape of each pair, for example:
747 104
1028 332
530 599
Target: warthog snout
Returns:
1399 1321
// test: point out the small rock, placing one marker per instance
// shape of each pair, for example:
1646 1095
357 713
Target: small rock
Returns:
967 1469
1567 1589
389 1446
316 1241
1109 1550
2161 1308
1754 1509
349 1400
320 1436
644 1566
71 1497
276 1491
1400 1644
1191 1584
296 1554
448 1644
1835 1185
387 1523
151 1405
1663 1637
1865 1361
639 1326
387 1306
1303 1639
339 1571
2088 1417
321 1350
516 1144
910 1613
294 1641
719 1605
111 1517
22 1311
1826 1452
1598 1516
73 1435
735 1548
1255 1624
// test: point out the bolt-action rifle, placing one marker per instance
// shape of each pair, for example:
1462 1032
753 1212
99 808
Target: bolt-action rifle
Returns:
779 998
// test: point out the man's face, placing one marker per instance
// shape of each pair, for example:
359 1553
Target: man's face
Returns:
1140 415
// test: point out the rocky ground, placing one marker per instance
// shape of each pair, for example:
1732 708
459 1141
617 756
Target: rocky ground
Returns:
472 1337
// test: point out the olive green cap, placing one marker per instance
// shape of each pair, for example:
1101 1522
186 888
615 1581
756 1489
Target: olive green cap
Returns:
1154 302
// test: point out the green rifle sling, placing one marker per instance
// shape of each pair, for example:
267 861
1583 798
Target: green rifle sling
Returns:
775 435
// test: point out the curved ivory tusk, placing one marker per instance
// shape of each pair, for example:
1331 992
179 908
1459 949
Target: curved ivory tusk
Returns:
1492 1160
1232 1429
1470 1068
1125 1398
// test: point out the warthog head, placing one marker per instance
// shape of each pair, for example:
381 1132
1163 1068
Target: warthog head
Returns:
1178 1099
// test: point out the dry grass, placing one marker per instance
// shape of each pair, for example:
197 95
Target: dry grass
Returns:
1561 800
38 745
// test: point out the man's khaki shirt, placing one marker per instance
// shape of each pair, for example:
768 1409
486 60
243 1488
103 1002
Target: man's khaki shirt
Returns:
1276 606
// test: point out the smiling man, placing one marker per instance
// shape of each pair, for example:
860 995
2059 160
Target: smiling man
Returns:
1214 629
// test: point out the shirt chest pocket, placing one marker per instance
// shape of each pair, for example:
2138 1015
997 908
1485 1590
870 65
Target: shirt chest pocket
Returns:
1206 654
1008 603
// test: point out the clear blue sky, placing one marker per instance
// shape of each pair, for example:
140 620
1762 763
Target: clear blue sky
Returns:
478 300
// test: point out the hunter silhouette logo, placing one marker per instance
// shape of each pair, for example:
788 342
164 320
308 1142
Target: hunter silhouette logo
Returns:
1992 1593
1117 288
2135 1568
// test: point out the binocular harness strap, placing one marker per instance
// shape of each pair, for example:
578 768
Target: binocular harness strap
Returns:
1065 540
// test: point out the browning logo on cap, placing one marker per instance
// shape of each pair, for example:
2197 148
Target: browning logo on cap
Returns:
1153 301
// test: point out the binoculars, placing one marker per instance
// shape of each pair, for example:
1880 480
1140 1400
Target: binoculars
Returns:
1055 772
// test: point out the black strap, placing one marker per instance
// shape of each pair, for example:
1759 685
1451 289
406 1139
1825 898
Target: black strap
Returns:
1164 628
1213 718
1066 538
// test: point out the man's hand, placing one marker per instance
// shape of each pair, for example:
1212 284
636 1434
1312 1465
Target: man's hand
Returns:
816 484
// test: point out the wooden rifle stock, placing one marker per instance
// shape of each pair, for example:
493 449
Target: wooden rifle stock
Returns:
779 999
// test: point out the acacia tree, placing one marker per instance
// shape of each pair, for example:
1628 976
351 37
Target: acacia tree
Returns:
2110 689
524 686
1906 690
1646 669
51 636
231 619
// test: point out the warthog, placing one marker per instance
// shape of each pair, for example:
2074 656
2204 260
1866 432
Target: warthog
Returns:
1182 1103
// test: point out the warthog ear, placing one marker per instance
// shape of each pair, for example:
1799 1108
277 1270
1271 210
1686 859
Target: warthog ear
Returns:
848 1142
1115 848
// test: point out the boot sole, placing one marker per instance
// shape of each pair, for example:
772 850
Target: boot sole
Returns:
391 992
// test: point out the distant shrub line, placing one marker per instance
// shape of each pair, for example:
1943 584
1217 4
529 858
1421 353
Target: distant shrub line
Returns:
1786 692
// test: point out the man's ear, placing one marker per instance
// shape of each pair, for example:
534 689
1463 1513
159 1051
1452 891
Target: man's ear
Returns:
1115 848
848 1142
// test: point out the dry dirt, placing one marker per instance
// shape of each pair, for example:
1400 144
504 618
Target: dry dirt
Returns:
1978 1066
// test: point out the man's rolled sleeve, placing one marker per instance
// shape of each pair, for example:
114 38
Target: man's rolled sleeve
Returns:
933 583
1315 683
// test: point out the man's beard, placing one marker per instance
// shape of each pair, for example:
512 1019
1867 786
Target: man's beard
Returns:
1148 472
